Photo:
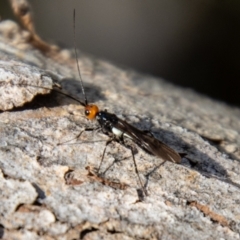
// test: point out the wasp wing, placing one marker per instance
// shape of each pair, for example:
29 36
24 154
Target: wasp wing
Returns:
148 142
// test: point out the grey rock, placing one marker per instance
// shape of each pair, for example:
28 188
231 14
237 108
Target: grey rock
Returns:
46 190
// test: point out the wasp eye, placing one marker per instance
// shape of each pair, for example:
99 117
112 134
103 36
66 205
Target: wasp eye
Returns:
87 112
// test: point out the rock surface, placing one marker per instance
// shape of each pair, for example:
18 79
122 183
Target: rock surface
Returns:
47 190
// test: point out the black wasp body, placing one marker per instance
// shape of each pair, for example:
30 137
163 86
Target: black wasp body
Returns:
119 129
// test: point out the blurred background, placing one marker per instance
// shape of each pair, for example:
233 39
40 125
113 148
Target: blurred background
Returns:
194 44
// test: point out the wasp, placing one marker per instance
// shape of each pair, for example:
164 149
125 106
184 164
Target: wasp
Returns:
119 130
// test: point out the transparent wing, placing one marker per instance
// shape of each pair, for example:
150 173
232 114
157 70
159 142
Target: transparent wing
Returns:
148 142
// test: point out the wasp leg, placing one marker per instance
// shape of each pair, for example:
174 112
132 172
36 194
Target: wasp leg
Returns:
79 135
135 164
107 142
136 170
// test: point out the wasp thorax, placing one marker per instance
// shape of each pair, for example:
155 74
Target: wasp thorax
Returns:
91 111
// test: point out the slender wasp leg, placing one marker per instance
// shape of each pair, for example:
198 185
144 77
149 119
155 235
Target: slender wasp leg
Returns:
136 170
79 135
107 142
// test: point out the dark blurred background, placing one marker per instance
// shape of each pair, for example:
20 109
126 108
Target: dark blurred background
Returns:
194 44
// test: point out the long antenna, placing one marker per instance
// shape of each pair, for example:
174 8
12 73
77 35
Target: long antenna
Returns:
76 55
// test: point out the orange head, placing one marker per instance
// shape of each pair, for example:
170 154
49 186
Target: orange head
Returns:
91 111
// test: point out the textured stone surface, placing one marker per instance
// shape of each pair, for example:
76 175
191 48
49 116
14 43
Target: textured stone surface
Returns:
20 83
46 192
